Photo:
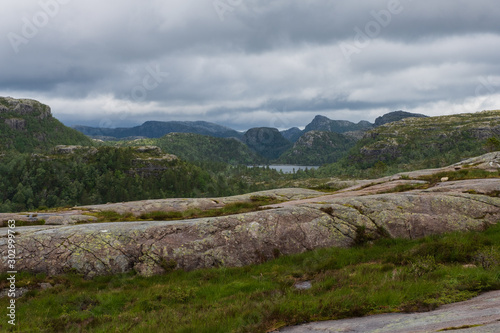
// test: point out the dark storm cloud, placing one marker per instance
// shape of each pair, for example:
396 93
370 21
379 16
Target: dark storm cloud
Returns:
249 63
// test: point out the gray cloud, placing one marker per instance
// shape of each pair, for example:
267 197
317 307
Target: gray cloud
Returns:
279 62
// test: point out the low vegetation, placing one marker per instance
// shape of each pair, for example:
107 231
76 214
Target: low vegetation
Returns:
388 275
254 204
460 175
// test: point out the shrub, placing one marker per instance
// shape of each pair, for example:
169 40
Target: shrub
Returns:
487 257
422 265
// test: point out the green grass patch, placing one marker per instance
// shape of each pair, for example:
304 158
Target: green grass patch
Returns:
460 175
255 203
388 275
406 188
20 223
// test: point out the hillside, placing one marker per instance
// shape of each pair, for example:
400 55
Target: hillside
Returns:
317 148
396 116
195 147
267 142
71 175
157 129
422 142
27 125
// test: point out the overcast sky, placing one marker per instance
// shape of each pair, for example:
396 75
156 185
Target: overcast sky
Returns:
248 63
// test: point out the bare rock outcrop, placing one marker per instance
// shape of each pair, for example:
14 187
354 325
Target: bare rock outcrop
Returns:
16 123
154 247
25 107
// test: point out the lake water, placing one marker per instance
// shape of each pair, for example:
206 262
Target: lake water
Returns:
290 168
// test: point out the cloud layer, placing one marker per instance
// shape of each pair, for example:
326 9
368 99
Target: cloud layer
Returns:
250 63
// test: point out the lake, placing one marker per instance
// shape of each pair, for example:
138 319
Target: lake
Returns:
290 168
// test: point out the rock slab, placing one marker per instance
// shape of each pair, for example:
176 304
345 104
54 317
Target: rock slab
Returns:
155 247
480 314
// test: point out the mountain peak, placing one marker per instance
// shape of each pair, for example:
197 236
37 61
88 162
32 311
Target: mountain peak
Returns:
266 141
322 123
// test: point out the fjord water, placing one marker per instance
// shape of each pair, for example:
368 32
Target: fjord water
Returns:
289 168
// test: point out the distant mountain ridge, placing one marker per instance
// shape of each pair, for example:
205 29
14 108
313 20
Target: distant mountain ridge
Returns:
268 143
157 129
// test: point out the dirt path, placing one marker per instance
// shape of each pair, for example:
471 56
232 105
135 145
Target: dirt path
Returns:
480 314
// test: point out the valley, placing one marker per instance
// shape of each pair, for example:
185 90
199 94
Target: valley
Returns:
409 202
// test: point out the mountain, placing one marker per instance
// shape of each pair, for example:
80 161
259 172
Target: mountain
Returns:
267 142
196 147
419 143
322 123
27 125
396 116
157 129
292 134
317 147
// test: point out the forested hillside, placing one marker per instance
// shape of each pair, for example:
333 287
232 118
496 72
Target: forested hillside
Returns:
317 148
267 142
195 147
81 176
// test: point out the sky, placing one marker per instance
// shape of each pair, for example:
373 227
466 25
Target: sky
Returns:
249 63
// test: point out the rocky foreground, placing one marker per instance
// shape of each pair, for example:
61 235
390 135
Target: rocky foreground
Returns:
308 220
480 314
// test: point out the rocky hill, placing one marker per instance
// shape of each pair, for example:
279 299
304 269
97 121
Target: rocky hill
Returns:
322 123
157 129
27 125
267 142
317 148
425 142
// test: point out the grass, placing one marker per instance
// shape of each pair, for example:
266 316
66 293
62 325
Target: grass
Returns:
460 175
388 275
20 223
255 203
406 188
